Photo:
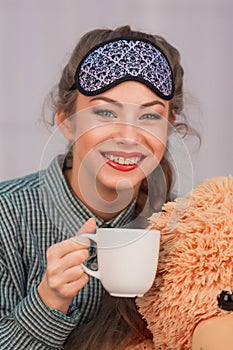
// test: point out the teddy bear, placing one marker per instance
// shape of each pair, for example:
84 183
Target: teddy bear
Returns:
190 303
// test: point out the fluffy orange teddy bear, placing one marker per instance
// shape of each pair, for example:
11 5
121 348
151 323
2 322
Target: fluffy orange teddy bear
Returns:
191 302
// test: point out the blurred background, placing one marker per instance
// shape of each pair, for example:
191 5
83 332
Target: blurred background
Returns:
37 37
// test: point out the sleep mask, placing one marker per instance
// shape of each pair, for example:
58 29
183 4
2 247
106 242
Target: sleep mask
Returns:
124 59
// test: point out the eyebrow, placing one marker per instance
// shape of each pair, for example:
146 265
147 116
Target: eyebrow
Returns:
147 104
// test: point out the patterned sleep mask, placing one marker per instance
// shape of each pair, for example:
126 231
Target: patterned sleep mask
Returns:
124 59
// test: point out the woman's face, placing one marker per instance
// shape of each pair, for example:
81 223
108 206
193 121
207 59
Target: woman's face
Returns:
119 136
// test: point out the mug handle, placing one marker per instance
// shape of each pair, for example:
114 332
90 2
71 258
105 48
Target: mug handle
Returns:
90 272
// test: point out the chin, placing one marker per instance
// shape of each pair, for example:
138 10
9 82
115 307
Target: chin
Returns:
122 182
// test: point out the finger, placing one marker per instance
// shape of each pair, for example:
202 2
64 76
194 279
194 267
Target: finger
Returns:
88 227
73 274
61 249
72 288
74 258
75 277
65 247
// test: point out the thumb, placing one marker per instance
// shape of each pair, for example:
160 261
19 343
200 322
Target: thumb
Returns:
88 227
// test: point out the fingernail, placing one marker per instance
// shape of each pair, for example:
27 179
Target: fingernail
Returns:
91 222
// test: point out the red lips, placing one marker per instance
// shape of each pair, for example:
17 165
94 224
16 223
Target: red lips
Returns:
121 167
117 165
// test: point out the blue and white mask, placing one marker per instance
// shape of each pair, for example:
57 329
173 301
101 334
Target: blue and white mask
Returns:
124 59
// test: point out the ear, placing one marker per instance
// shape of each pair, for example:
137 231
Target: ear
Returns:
65 125
172 117
171 120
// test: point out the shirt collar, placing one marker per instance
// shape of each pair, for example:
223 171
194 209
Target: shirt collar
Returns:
64 208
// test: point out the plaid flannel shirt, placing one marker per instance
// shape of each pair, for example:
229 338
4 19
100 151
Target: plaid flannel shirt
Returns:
36 212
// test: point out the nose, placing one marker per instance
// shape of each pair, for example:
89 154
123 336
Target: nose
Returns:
127 134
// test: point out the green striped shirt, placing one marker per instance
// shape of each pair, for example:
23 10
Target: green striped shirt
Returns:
36 212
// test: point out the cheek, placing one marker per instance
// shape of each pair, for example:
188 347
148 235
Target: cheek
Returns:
157 147
85 146
158 152
158 143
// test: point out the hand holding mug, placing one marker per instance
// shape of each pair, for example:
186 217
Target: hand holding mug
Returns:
64 275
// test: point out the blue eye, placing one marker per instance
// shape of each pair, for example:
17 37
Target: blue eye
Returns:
106 113
150 116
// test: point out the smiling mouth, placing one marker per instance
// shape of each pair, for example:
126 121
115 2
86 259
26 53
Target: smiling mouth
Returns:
123 161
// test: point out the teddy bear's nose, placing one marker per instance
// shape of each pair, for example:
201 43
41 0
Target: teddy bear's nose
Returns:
225 300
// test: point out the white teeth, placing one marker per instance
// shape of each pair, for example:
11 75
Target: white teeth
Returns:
122 160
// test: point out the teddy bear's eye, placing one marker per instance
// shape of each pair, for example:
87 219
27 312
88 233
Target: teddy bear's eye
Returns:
225 300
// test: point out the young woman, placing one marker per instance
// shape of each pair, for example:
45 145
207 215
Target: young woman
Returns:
116 103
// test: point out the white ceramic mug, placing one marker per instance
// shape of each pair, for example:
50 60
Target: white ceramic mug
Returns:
127 260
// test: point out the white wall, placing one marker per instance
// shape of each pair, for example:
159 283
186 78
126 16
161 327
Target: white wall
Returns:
36 37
